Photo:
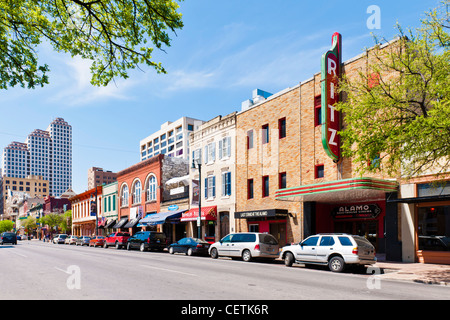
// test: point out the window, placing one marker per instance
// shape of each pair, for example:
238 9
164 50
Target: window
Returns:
265 133
345 241
210 153
250 139
319 171
225 148
265 186
226 184
136 194
310 241
124 196
210 187
282 180
326 241
151 188
282 128
433 228
318 110
250 189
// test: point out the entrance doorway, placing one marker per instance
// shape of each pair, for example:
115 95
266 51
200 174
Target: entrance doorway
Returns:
366 229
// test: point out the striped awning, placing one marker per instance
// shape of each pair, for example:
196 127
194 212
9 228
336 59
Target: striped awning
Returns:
339 191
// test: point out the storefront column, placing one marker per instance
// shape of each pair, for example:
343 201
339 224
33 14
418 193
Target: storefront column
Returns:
309 218
392 244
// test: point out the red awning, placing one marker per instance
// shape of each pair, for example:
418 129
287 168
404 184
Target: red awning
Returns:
208 213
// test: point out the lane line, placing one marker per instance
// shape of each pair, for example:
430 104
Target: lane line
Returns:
169 270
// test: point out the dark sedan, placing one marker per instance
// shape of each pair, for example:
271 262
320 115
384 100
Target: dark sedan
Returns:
190 246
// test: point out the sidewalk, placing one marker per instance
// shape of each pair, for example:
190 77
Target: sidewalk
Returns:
416 272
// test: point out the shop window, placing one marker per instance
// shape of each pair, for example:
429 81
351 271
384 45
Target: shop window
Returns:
265 186
282 128
319 171
434 228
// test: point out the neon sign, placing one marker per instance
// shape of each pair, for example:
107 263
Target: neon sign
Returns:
331 71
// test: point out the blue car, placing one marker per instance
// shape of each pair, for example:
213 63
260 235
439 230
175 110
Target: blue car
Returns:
190 246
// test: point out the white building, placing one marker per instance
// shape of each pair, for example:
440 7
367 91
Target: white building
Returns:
47 153
172 139
215 143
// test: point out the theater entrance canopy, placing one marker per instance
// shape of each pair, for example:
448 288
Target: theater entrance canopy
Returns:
339 191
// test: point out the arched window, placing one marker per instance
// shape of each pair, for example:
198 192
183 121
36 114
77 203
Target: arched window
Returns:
151 188
136 194
124 196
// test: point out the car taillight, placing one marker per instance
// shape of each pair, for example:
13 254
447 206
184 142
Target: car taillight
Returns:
355 250
199 245
257 247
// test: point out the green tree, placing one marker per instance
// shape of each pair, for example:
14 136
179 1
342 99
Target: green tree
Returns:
116 35
399 110
52 220
29 224
6 225
66 222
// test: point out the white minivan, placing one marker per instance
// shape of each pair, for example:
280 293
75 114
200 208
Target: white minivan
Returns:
247 245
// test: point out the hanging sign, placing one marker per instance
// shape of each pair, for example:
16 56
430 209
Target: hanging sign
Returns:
331 119
359 211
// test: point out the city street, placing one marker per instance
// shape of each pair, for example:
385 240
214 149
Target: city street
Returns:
37 270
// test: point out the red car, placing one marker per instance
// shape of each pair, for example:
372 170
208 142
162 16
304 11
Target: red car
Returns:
117 239
97 241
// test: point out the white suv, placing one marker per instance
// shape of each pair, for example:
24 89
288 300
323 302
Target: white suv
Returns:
333 249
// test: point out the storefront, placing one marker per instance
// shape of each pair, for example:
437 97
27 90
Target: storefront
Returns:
355 206
273 221
208 218
163 222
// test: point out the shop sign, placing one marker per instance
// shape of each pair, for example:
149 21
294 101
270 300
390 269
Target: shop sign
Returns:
261 213
331 119
360 211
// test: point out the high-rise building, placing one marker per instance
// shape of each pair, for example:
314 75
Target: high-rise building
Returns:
172 139
47 153
98 177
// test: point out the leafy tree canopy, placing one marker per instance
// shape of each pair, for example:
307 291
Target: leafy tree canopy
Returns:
398 110
116 35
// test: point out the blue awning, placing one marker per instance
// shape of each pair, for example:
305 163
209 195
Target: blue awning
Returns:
160 218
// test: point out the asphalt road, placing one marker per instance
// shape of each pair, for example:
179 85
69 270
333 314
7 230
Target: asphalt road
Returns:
36 270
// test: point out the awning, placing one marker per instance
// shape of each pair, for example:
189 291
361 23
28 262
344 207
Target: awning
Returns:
339 191
121 223
174 182
110 223
208 213
132 223
160 218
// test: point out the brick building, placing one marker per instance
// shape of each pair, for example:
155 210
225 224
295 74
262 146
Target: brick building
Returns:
85 216
288 183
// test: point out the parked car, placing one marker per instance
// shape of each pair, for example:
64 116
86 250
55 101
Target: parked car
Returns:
333 249
97 241
59 238
145 240
248 245
70 240
8 237
117 239
190 246
83 240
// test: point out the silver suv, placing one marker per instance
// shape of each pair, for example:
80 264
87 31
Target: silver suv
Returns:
333 249
246 245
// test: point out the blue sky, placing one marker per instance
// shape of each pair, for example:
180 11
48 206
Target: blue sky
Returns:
225 50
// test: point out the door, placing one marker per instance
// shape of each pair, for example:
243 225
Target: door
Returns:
324 248
223 246
278 230
307 250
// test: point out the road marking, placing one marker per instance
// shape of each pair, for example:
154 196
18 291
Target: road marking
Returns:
19 254
169 270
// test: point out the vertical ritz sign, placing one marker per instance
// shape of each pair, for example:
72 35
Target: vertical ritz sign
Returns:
331 71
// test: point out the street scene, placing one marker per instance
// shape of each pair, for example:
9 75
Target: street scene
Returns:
225 151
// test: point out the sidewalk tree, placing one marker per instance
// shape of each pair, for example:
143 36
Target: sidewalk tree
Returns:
52 220
116 35
6 225
398 112
29 224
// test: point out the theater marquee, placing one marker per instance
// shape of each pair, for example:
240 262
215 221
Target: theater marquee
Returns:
331 119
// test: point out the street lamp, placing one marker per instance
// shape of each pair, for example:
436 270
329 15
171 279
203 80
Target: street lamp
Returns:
197 163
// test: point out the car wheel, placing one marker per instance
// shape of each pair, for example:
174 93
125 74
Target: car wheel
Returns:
128 246
117 245
336 264
246 256
142 247
214 254
171 250
105 246
189 252
288 259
